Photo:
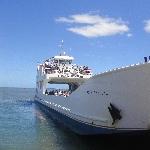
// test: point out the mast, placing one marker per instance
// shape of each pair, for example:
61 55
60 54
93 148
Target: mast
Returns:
61 45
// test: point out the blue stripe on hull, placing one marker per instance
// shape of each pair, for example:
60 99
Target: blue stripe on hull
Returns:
80 127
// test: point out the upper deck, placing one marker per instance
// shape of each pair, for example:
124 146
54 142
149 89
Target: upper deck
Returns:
60 69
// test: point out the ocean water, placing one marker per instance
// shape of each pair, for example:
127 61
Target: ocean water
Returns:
23 126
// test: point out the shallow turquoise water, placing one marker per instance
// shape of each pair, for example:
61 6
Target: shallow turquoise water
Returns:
23 126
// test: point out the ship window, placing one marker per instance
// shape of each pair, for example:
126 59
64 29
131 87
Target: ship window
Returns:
65 61
61 61
55 61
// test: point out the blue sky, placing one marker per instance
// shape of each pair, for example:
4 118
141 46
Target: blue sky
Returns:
102 34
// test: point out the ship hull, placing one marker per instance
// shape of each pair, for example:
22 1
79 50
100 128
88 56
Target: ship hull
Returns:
83 128
87 110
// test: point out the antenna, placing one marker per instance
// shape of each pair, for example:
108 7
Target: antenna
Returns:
62 47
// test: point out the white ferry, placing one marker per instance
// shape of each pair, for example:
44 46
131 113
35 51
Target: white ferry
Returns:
115 101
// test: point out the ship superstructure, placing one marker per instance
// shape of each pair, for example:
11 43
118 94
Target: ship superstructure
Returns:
60 70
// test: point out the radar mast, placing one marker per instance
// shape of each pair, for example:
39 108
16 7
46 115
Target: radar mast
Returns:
62 52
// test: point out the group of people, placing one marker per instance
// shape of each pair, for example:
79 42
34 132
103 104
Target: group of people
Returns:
50 68
59 92
63 69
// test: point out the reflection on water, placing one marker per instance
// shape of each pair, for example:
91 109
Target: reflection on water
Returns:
24 126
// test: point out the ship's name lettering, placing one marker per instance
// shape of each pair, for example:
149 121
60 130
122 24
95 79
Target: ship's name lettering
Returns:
97 92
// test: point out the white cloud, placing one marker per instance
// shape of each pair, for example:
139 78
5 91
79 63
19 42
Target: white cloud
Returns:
147 26
94 25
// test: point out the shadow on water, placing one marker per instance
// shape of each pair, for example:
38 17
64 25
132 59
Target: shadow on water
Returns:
67 140
116 142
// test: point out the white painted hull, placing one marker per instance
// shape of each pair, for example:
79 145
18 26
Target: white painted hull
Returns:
128 89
